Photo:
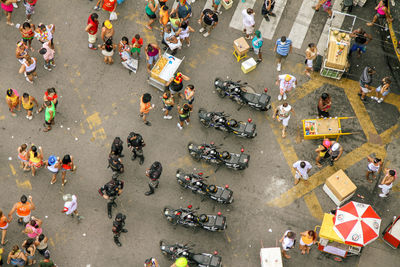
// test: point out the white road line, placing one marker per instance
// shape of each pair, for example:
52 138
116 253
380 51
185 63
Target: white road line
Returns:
337 22
301 24
237 18
267 28
209 5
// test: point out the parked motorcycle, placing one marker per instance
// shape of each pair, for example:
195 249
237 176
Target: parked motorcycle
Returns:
174 251
197 183
209 153
189 218
221 121
243 94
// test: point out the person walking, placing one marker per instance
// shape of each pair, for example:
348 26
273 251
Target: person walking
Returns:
164 15
184 115
387 182
288 240
23 157
118 228
98 5
184 32
248 22
311 54
117 147
326 5
335 152
23 209
383 90
8 7
169 102
16 257
324 105
12 99
110 5
256 44
189 94
283 47
49 95
33 228
4 221
71 206
322 151
307 239
151 8
152 51
267 8
35 158
21 51
29 250
107 31
361 39
28 102
365 82
208 21
41 244
154 173
145 107
302 169
373 167
45 33
29 8
46 262
27 33
53 164
110 191
382 12
49 114
286 83
282 114
28 68
215 4
67 164
92 28
136 143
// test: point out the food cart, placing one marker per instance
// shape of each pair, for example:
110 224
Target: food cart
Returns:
335 61
323 128
164 70
345 234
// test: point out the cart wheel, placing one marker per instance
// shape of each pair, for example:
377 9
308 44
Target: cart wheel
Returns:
338 259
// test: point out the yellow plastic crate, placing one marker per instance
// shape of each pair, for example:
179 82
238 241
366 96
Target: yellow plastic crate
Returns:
248 65
227 5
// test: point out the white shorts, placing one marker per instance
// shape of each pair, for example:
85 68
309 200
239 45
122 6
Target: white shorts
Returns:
107 54
365 90
285 121
248 29
256 50
92 38
26 219
298 176
4 228
304 244
385 188
309 63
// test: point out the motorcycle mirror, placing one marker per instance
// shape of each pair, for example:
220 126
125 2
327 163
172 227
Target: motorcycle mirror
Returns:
265 89
226 186
219 213
215 252
242 150
200 173
249 120
190 206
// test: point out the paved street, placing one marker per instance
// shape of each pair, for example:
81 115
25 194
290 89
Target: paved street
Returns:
99 102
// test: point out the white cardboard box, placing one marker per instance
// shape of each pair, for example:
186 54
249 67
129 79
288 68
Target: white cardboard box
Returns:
271 257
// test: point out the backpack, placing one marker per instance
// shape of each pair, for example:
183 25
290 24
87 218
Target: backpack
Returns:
111 188
139 139
116 146
115 164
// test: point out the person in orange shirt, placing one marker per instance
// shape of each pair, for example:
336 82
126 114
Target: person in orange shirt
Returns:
164 16
23 209
3 226
145 107
307 239
110 5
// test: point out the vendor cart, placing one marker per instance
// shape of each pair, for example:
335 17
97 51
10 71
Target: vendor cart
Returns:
323 128
335 61
391 235
164 70
345 234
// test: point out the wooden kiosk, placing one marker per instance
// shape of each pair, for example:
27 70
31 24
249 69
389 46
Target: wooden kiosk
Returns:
323 128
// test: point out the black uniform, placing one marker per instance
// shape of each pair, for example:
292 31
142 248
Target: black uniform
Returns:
154 174
115 164
117 147
118 227
265 12
112 189
135 144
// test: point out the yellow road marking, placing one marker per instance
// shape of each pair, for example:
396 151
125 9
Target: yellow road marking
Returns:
52 242
389 134
93 120
394 100
313 205
2 117
26 184
12 169
99 134
303 90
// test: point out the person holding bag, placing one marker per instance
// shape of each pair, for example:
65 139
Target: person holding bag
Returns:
110 6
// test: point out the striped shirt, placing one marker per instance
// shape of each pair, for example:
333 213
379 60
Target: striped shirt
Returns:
283 49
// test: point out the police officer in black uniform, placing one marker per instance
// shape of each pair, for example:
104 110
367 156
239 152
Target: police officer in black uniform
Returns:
115 164
111 191
118 227
135 144
117 147
154 174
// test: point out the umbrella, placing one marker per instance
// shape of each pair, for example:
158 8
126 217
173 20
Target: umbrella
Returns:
357 223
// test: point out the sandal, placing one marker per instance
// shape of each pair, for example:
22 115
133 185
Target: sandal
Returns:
53 182
64 183
5 242
149 27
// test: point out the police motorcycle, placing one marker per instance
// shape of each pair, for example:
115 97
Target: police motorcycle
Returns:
175 251
221 121
197 183
209 153
242 94
189 218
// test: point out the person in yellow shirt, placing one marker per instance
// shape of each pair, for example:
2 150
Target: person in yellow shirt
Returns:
28 102
307 239
12 98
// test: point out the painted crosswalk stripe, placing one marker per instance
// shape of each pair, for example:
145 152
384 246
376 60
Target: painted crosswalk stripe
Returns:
335 22
237 18
267 28
209 5
301 24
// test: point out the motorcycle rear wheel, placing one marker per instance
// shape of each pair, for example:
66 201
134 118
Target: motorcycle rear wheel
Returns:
204 123
220 92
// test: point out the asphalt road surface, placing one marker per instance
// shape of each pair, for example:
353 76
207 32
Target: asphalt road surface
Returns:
99 102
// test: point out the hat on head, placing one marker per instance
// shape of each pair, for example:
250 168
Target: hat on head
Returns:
108 24
52 159
257 33
43 51
335 146
326 143
67 197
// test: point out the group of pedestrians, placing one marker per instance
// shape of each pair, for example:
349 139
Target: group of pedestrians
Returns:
288 241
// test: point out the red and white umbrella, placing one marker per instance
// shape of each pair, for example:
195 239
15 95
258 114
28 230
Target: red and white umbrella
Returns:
357 223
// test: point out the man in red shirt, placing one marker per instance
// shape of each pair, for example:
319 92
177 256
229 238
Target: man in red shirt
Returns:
137 43
91 29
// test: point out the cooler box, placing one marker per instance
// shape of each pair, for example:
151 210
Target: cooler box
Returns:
339 187
249 65
227 4
271 257
241 46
